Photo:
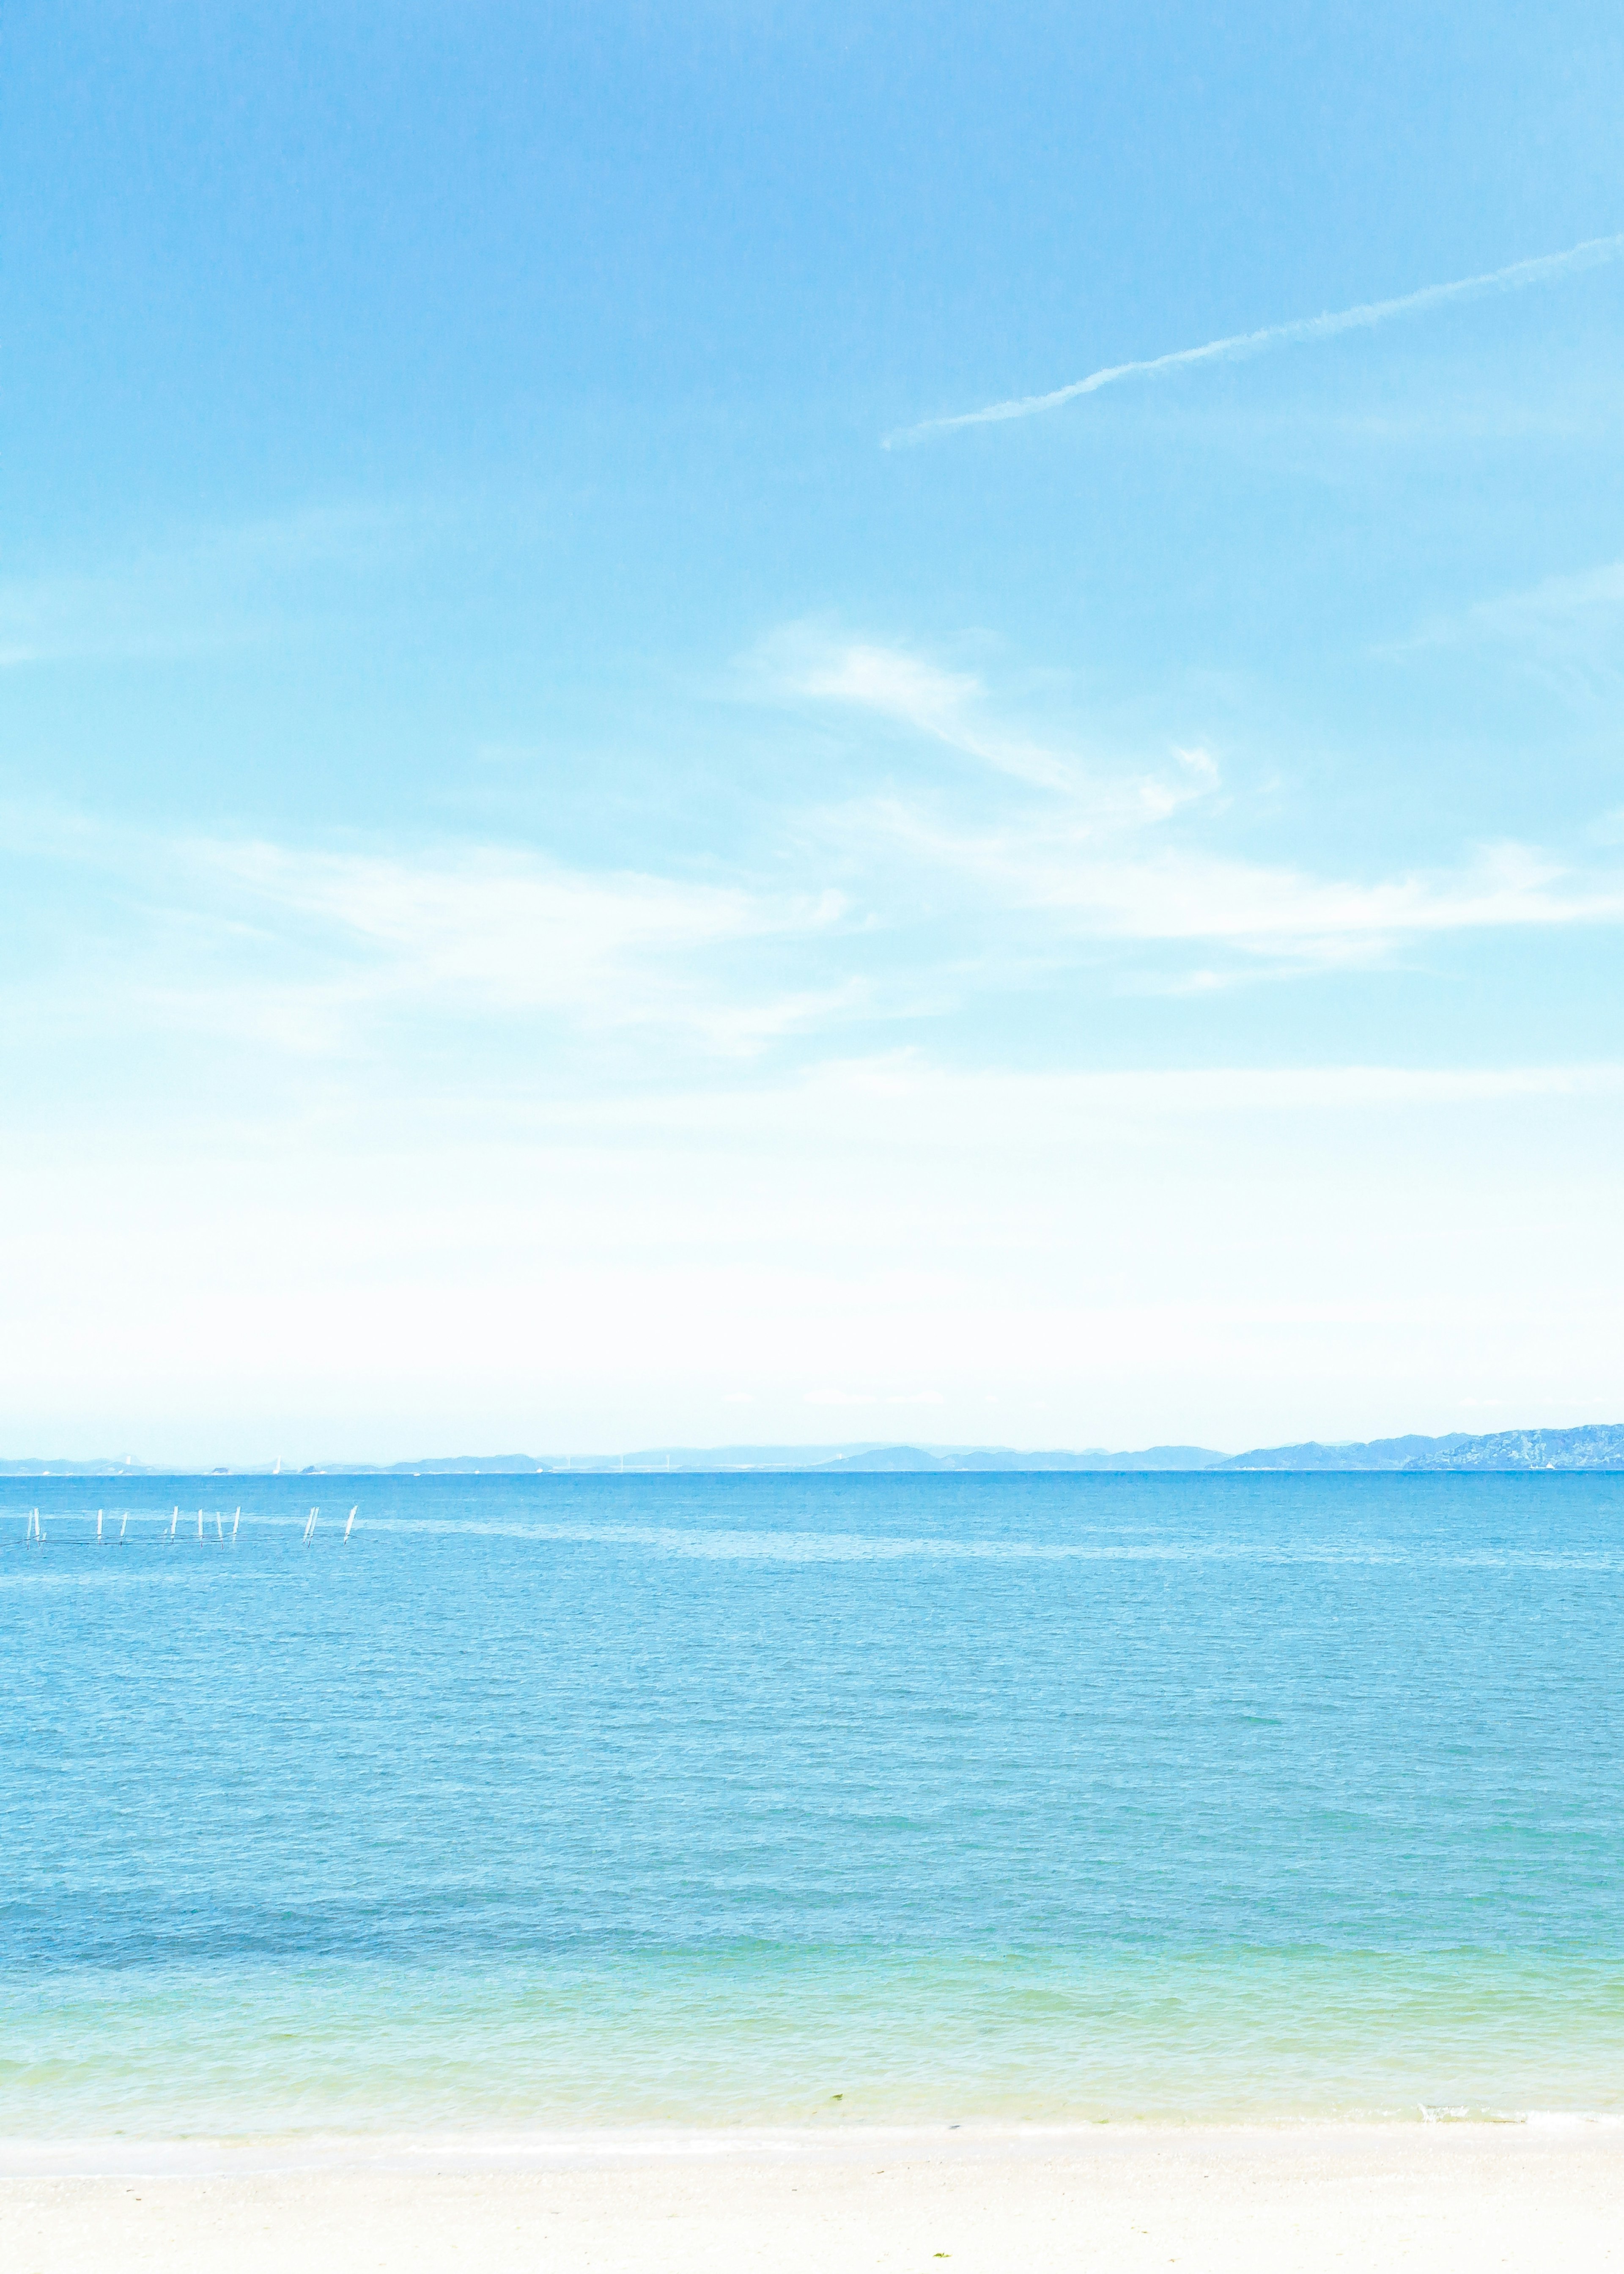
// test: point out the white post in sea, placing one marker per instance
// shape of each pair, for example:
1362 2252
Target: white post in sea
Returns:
200 1524
235 1520
350 1524
174 1520
310 1529
98 1524
220 1529
124 1527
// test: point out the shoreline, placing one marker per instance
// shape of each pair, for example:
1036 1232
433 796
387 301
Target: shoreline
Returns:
477 2150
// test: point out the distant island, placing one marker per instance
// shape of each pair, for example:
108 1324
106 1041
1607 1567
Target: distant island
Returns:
1598 1445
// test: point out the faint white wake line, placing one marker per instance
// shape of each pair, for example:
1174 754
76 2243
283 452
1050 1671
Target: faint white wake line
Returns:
1593 253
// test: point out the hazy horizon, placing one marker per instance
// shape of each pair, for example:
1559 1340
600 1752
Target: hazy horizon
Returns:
766 1455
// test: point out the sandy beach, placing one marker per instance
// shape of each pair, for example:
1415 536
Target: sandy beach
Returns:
1467 2196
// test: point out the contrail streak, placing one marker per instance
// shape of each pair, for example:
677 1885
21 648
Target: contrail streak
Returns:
1592 254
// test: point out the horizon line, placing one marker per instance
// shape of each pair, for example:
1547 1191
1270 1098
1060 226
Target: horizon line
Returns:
643 1459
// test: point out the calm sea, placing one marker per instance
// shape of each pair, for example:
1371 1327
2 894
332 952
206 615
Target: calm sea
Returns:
572 1801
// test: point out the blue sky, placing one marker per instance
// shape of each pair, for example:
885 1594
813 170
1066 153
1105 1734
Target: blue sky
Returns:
565 887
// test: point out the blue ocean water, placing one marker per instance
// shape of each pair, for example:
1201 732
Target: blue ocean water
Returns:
553 1801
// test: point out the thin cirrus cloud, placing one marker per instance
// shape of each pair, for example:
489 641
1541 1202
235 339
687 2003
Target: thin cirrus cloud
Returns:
953 708
1518 275
1049 846
1277 914
1570 627
1095 859
888 683
312 950
500 931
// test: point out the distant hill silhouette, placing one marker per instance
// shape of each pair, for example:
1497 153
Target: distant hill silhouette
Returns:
1595 1446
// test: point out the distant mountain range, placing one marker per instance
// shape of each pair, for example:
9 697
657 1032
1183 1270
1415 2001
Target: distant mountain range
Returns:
1596 1446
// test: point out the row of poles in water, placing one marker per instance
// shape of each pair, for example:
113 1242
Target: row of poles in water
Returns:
34 1532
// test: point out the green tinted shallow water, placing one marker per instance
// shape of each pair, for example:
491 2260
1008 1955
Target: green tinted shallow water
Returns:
551 1801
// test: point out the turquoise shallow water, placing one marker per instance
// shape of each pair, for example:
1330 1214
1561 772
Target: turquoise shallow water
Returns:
551 1801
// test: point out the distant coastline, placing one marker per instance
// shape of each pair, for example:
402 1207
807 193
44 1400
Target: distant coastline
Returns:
1595 1445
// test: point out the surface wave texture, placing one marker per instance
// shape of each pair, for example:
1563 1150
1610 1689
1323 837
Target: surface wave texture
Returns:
552 1802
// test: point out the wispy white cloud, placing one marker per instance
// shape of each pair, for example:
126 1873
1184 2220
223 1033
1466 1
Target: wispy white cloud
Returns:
954 708
502 922
890 682
1106 852
1559 614
488 932
1037 853
314 949
1548 268
1189 896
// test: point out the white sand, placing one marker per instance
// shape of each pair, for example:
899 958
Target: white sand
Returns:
1467 2196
